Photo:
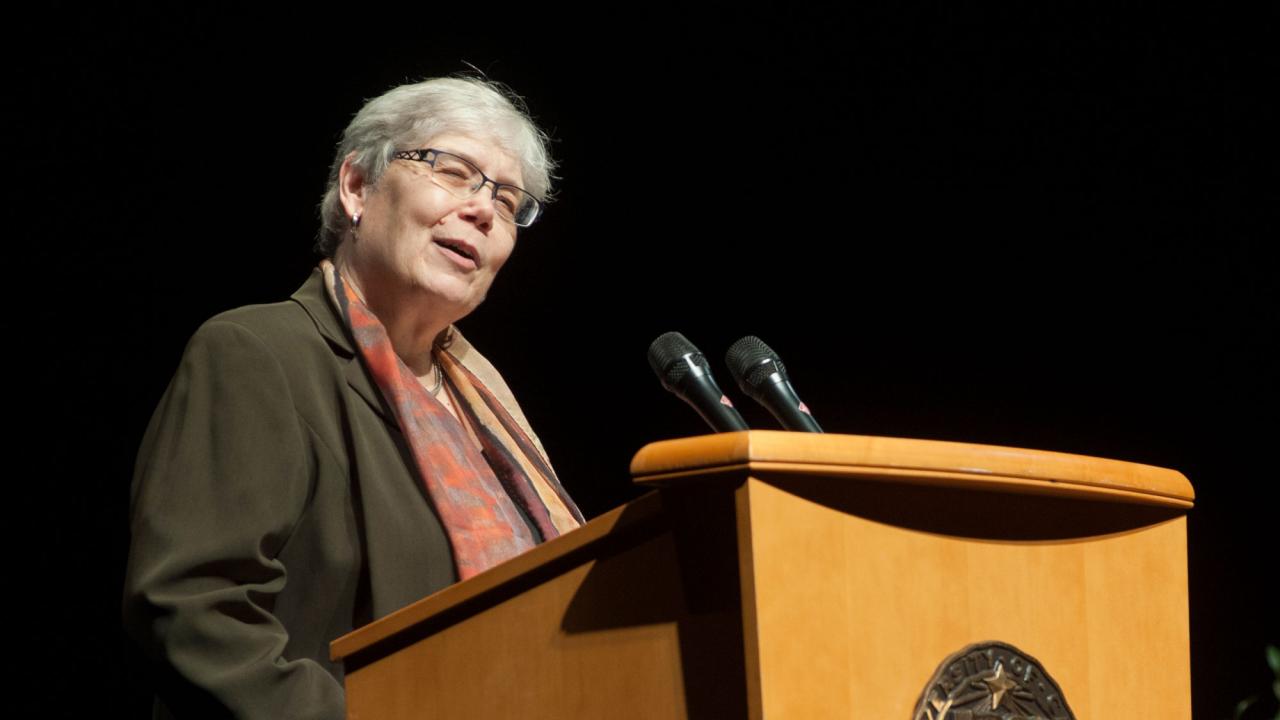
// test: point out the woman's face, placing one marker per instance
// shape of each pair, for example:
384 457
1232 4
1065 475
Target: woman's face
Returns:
418 243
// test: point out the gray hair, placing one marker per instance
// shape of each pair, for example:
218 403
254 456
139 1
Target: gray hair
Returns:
415 113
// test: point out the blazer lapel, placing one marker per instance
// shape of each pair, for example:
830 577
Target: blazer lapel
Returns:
314 298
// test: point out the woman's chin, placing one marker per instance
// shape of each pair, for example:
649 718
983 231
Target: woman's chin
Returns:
461 298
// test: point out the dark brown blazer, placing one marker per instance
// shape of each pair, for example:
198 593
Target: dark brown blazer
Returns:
274 508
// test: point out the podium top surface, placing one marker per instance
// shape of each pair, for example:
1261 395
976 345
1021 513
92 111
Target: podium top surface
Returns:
935 462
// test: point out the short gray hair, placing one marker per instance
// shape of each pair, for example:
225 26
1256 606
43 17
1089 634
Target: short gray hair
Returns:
415 113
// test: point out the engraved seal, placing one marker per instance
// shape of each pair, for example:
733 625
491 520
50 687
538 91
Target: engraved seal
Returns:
991 681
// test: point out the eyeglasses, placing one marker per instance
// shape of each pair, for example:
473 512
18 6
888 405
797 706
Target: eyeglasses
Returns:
463 179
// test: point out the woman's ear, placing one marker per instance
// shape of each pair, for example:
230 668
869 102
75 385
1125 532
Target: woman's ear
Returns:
351 187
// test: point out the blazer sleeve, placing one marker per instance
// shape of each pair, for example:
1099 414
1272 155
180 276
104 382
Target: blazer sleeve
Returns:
222 478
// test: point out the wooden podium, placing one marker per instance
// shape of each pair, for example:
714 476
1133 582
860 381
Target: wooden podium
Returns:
787 575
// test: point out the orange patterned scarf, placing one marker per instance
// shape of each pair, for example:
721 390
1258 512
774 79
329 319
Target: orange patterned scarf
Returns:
495 501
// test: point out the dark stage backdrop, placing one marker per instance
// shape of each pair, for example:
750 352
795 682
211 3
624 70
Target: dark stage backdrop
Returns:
1036 227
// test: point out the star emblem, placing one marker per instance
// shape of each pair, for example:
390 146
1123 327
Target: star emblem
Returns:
999 683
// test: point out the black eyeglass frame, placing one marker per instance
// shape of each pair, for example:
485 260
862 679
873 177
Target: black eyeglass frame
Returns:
429 156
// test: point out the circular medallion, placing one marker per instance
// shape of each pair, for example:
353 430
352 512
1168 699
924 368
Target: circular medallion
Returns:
991 681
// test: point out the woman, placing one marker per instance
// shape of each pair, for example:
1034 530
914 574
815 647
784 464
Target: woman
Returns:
319 463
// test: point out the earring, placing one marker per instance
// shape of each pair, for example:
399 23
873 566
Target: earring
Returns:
355 220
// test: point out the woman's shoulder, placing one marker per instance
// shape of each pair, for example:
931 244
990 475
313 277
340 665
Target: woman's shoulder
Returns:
287 332
282 326
269 355
270 320
288 325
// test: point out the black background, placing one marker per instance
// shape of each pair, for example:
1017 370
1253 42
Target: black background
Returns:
1039 227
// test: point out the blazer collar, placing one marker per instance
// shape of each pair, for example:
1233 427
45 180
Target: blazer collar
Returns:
314 299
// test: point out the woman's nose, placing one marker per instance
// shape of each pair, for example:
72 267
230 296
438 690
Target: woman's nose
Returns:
480 205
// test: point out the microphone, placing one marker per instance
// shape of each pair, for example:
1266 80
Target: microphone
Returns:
684 371
760 374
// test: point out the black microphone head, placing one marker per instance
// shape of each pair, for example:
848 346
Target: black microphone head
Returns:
666 357
761 374
751 362
685 372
